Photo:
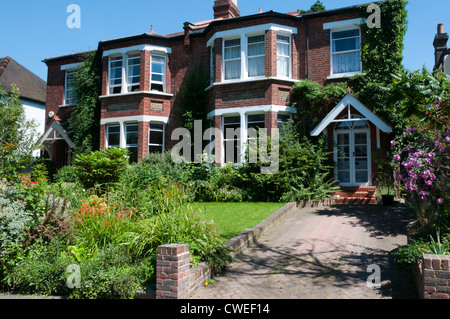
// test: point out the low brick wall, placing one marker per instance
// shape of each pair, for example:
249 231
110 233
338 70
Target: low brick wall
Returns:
435 277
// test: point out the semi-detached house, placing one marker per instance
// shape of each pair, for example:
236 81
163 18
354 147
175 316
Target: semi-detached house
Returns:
253 62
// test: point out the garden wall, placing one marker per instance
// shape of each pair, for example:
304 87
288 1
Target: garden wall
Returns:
432 276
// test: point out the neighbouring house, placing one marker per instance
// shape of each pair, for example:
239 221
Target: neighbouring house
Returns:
441 52
253 62
32 91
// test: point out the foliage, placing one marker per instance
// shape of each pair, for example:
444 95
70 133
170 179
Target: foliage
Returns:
17 135
307 95
101 167
316 7
85 118
67 174
13 221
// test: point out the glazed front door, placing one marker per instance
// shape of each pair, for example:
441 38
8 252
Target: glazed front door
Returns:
352 157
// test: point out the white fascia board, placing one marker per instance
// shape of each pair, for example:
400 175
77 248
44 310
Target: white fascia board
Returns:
142 47
139 118
349 99
71 66
251 109
251 31
343 24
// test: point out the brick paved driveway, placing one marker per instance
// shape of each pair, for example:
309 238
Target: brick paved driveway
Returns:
321 253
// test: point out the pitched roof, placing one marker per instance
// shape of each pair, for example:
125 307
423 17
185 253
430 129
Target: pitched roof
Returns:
30 85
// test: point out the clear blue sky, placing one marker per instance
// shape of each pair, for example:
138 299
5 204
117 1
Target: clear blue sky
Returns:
35 30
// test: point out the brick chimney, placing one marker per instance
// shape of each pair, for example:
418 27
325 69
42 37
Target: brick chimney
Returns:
224 9
440 42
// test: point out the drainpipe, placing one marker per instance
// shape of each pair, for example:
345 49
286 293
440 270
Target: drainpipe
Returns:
307 47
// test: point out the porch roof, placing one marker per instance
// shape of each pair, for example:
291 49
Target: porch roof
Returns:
347 101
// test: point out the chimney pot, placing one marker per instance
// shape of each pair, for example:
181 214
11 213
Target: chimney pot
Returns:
440 28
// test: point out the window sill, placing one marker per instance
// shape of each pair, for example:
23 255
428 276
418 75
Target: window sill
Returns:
68 105
136 93
256 79
342 75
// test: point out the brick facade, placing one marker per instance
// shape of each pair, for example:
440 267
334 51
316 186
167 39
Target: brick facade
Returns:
184 51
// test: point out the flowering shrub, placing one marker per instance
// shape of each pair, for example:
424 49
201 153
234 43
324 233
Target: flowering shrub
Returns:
422 159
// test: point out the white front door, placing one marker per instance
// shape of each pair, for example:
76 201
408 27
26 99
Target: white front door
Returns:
352 155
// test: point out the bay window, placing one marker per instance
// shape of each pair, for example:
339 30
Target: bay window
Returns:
232 59
232 139
156 138
256 56
158 73
115 75
131 139
113 135
283 56
134 72
346 51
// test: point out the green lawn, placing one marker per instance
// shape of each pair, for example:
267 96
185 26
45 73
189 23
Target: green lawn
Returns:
232 218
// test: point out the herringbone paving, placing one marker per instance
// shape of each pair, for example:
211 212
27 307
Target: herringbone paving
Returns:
321 253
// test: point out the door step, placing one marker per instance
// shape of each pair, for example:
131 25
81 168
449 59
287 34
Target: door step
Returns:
356 195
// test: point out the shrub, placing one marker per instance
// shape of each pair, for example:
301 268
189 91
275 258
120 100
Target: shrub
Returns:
101 167
14 219
67 174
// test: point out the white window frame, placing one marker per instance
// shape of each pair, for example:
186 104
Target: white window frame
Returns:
111 86
131 57
108 127
67 89
231 60
247 70
127 146
163 134
332 54
289 76
163 74
212 65
234 139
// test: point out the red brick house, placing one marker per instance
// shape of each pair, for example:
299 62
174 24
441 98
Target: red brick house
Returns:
253 62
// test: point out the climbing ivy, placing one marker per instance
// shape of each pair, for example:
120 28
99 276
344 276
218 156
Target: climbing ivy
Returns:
85 119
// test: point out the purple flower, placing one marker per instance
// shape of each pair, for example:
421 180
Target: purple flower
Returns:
397 157
440 201
392 143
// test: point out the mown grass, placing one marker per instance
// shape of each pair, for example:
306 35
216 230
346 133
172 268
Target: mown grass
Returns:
232 218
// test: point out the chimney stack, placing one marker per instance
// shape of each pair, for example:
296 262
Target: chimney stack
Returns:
440 42
225 9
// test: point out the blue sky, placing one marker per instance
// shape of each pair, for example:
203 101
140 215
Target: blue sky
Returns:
35 30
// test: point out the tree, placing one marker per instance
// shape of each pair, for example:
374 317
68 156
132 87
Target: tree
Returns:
17 134
316 7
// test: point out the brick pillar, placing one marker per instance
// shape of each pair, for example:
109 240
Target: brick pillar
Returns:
172 272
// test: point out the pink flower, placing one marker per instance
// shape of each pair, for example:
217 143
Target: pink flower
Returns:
440 201
392 143
397 157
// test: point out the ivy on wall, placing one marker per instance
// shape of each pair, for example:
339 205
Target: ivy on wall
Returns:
84 123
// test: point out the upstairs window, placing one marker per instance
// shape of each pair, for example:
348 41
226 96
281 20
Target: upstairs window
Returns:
115 75
232 59
256 56
158 73
346 51
70 94
283 56
134 73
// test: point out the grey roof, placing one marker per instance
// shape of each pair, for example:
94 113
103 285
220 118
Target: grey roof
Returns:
30 85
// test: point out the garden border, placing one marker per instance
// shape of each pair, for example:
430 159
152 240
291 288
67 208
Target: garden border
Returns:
171 282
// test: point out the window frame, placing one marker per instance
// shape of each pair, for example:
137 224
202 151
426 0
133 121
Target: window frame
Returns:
236 139
129 84
289 57
224 60
108 127
332 54
111 86
248 57
163 74
154 130
67 89
128 146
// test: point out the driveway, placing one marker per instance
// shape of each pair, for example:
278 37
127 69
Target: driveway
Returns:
322 253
